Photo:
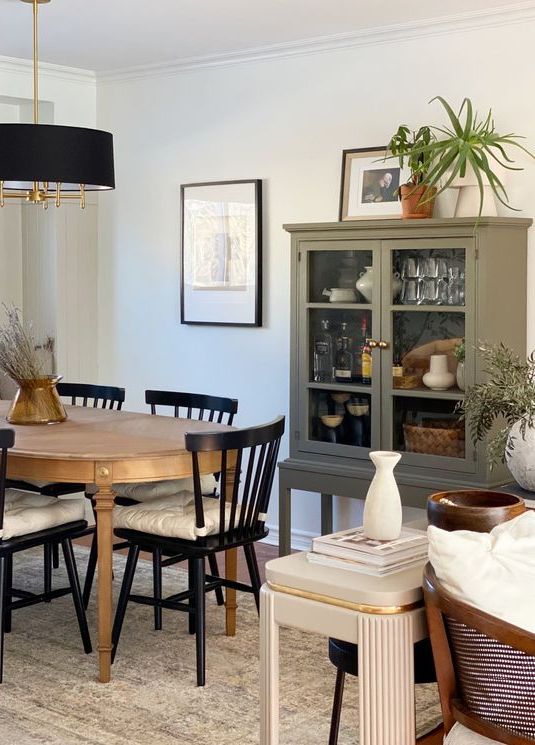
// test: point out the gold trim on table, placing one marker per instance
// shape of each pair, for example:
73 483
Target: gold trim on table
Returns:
376 610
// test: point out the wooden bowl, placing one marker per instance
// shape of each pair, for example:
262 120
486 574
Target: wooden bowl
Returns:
473 509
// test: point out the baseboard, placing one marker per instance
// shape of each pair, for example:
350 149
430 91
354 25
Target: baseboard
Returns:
300 540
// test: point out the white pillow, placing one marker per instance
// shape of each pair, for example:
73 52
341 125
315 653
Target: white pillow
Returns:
145 491
172 517
28 512
459 735
494 571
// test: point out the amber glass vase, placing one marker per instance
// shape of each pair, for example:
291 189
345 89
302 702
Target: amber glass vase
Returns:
37 402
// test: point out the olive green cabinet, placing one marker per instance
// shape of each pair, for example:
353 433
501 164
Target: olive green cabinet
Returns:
411 289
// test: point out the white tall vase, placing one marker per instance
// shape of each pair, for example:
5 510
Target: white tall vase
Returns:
382 510
469 200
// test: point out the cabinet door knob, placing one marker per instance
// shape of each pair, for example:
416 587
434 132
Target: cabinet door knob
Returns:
382 344
372 343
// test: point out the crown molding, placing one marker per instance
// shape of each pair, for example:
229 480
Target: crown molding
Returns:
505 15
24 67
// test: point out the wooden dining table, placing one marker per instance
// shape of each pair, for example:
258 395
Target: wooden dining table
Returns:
112 447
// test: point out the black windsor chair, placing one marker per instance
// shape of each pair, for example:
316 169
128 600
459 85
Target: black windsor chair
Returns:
233 520
12 542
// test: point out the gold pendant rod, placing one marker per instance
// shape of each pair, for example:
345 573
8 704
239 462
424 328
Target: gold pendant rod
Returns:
35 64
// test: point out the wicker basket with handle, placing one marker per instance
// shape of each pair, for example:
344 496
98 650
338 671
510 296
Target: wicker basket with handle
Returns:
436 437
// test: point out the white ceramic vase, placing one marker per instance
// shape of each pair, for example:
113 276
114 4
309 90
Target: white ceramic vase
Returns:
439 377
521 460
382 509
364 284
460 376
469 198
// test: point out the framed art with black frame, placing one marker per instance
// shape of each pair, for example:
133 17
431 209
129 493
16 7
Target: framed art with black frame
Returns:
369 184
221 253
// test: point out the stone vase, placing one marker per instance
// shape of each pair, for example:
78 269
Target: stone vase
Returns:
439 377
521 460
382 509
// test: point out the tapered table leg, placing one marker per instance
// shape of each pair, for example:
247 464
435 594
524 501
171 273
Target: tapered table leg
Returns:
104 500
285 518
326 514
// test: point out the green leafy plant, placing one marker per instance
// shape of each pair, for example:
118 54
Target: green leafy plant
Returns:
507 394
468 142
410 147
459 351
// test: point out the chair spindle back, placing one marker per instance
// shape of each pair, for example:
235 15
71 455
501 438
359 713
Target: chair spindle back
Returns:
87 394
194 405
252 451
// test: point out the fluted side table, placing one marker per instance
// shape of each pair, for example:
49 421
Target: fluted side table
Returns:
384 616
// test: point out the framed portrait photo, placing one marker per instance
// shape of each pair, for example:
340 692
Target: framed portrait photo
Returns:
369 185
221 253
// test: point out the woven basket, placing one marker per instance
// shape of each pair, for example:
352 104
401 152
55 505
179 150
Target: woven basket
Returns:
436 437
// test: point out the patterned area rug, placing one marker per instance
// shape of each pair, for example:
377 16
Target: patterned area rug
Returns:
50 694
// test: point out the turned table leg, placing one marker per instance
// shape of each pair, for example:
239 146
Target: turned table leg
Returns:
104 501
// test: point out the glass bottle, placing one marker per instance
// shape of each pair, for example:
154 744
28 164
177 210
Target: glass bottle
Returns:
357 377
343 365
366 357
323 354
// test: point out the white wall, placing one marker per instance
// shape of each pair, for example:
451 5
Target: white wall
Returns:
285 121
48 260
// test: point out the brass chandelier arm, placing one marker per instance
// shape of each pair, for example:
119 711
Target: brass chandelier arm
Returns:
59 154
38 194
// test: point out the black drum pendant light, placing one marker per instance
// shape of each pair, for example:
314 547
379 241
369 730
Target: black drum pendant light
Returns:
42 162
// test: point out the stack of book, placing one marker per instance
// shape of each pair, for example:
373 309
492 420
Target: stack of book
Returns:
352 550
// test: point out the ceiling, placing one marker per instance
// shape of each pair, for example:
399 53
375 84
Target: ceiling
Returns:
106 35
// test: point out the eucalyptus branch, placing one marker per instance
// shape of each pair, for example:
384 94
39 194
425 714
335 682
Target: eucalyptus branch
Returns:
507 394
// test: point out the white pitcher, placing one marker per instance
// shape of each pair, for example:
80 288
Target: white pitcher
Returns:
382 510
365 284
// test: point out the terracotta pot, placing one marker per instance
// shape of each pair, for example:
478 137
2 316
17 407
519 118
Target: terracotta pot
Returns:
415 202
473 509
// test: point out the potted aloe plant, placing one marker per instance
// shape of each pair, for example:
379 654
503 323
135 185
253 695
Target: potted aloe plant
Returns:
468 153
469 147
413 149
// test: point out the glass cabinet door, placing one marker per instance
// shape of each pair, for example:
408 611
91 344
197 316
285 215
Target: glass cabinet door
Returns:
427 316
339 372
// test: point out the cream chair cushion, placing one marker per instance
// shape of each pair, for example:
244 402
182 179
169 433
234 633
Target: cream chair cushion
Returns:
494 571
146 491
459 735
28 512
172 517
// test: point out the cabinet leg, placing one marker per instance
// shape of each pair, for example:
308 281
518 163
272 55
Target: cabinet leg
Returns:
326 514
285 520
